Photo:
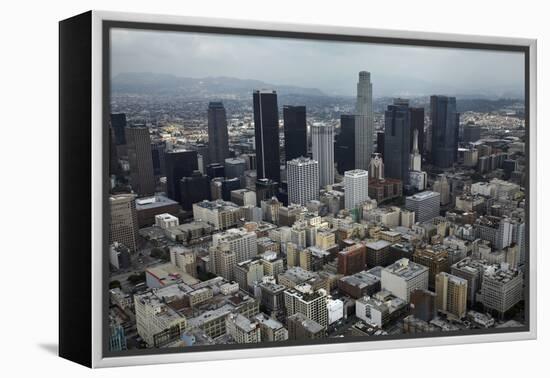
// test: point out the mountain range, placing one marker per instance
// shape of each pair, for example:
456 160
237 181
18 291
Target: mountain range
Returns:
166 84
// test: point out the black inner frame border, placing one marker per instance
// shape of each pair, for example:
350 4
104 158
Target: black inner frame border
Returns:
107 25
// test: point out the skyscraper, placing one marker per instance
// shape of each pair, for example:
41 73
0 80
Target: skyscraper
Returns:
295 131
417 178
416 158
140 158
303 180
218 139
344 147
356 185
397 141
123 227
118 123
193 189
417 123
322 146
266 135
179 164
158 149
364 122
444 131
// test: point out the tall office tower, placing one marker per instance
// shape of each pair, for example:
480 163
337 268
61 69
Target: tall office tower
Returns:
444 131
376 167
417 123
403 277
322 147
140 159
158 149
364 122
295 128
303 180
234 168
179 164
113 154
441 186
451 295
380 142
308 302
124 224
118 123
397 141
344 147
266 135
218 139
193 189
356 184
416 157
472 133
425 205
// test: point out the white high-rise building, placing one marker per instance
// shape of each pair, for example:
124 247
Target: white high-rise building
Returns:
364 122
416 159
417 178
303 180
356 185
322 147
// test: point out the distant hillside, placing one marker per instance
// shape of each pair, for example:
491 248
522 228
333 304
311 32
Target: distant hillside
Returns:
165 84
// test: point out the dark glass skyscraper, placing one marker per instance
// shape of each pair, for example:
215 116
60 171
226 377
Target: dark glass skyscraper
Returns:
295 128
193 189
218 139
118 123
158 149
344 148
444 129
140 158
179 164
417 123
380 143
397 141
266 135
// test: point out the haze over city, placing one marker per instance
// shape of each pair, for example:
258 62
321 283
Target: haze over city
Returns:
331 67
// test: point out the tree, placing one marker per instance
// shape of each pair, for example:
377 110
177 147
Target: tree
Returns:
136 278
114 284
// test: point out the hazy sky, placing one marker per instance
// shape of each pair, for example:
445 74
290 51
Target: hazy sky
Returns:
329 66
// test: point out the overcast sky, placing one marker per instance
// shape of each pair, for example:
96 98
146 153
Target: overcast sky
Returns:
329 66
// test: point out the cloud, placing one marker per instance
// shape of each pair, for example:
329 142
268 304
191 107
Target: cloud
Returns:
327 65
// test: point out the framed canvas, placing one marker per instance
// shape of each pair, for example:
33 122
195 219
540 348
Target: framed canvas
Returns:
236 189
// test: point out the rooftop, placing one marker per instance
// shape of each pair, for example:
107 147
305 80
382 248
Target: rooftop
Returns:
153 202
423 195
405 268
379 244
